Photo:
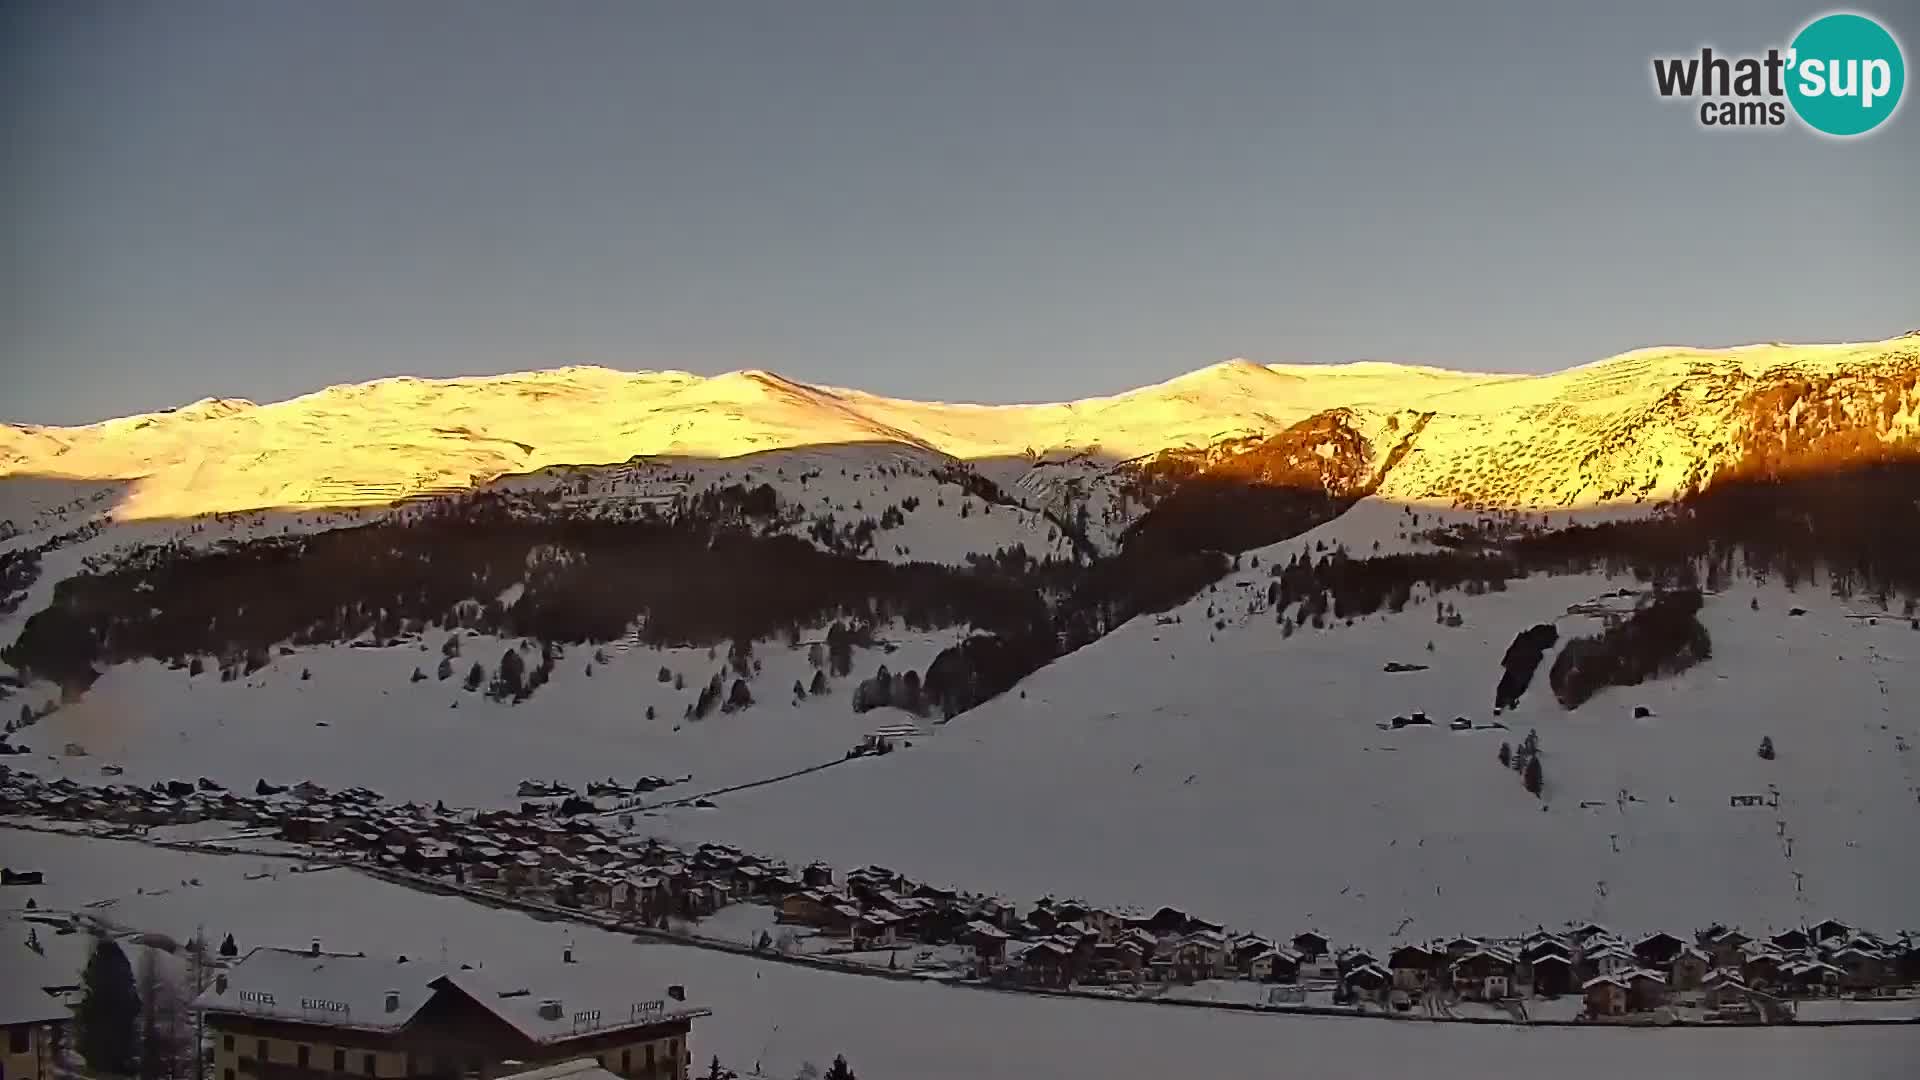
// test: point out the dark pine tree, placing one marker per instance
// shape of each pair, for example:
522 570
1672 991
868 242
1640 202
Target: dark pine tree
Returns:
1532 778
840 1071
1506 756
1766 747
109 1012
228 947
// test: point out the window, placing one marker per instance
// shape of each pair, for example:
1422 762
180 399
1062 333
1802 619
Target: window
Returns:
17 1039
228 1075
339 1061
300 1055
626 1062
226 1043
369 1063
260 1051
649 1057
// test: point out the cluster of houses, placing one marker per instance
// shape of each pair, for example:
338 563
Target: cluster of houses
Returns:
1722 971
617 877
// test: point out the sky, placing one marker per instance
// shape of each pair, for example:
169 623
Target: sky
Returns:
998 200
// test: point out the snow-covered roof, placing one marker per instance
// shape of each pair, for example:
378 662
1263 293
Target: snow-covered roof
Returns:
353 991
578 1069
22 1001
327 988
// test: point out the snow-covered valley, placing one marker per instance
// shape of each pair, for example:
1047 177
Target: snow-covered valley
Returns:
1228 645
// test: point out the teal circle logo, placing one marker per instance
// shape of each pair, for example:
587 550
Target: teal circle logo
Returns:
1845 74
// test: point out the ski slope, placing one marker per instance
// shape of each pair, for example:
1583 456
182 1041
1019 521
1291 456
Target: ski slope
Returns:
1247 777
359 720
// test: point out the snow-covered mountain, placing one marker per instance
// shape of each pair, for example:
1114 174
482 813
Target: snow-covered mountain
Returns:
1635 428
1170 628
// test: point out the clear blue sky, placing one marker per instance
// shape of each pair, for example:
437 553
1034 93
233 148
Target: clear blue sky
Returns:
990 200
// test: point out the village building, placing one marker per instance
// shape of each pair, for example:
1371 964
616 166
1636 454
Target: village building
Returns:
1791 940
1047 964
1484 975
989 945
1368 982
1762 968
1610 960
1552 975
1119 961
1724 948
1310 946
1645 989
1412 966
290 1014
1606 996
1657 950
1828 929
35 1028
1688 968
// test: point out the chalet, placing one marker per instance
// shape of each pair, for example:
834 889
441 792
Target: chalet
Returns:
1610 960
1047 964
1645 989
648 896
1483 975
1724 947
936 894
839 920
1813 977
525 871
1271 965
1585 933
1688 967
1147 942
1201 955
1119 960
817 876
1462 946
1310 946
1763 969
1552 975
1000 913
1828 929
1606 996
1541 941
989 943
1791 940
1196 924
599 892
1246 947
1657 950
1368 982
807 907
1412 966
1862 969
874 929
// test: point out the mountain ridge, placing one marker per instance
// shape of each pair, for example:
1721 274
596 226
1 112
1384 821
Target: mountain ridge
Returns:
1638 427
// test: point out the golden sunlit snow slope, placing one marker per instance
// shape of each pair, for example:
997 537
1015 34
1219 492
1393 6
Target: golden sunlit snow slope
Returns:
1629 428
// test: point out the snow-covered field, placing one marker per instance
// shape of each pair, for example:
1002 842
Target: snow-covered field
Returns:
1248 778
434 740
779 1016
